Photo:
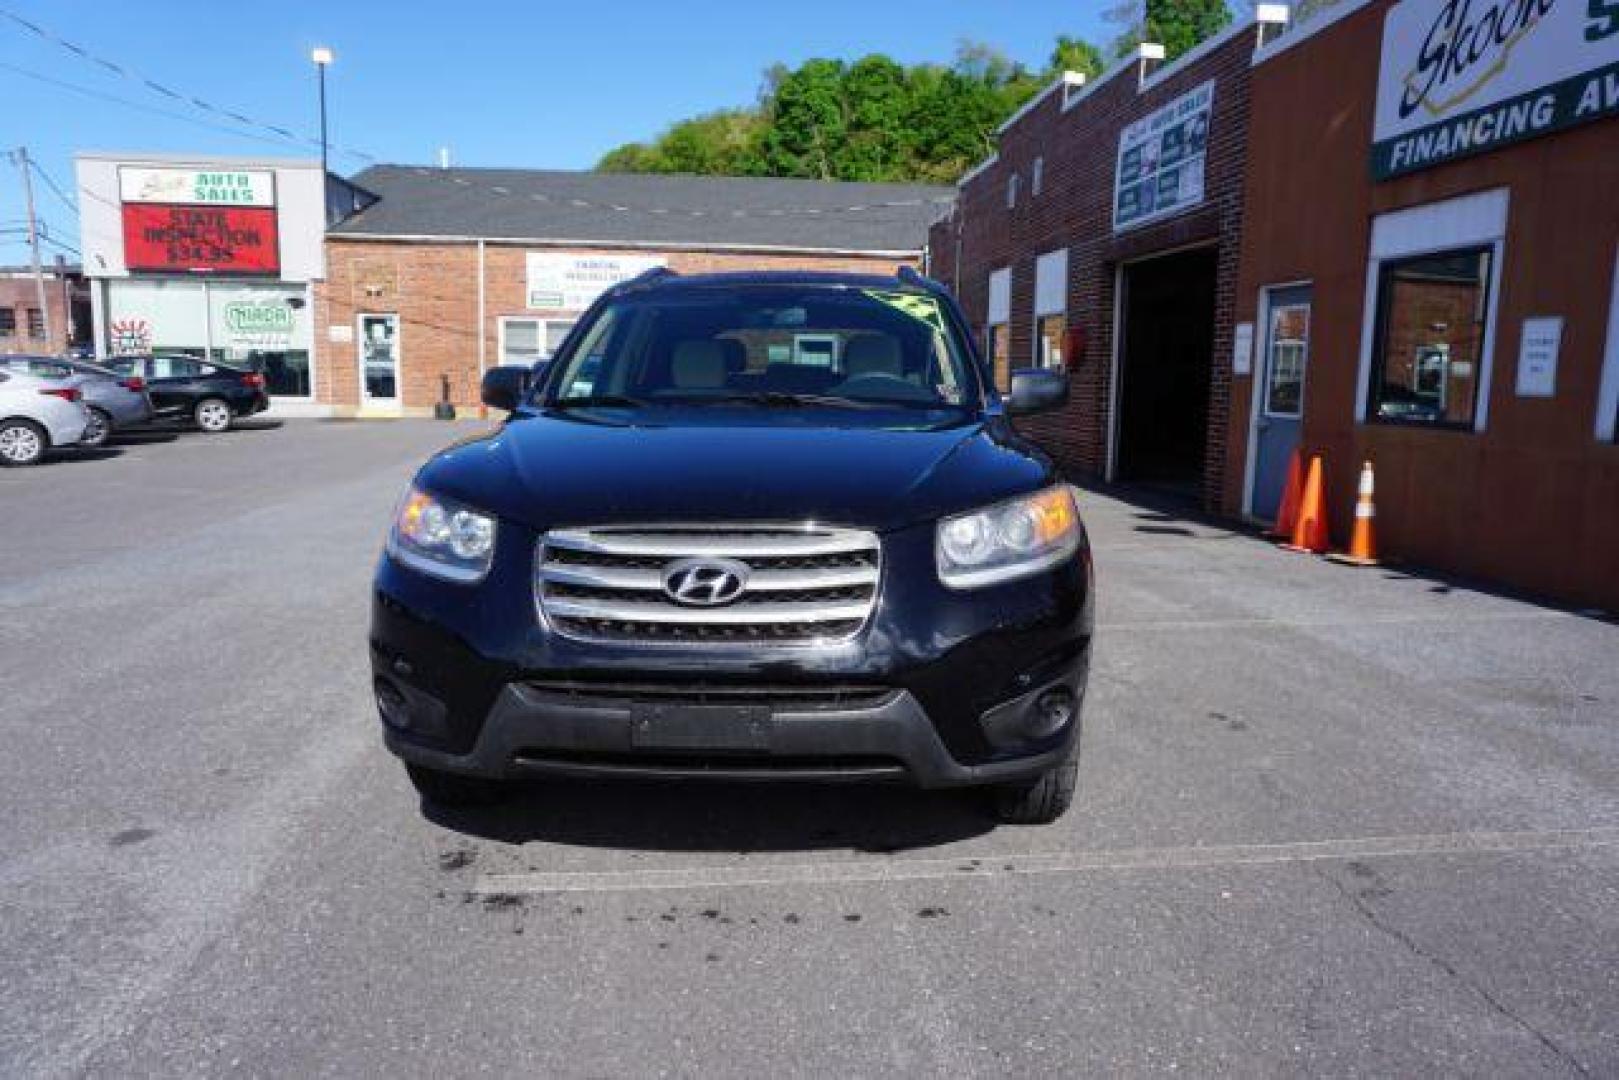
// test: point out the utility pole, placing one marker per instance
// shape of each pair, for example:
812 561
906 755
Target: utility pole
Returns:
19 157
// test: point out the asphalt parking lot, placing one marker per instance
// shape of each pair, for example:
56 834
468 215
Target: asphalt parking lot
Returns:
1330 821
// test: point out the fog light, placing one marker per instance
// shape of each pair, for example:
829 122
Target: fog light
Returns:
391 704
1053 710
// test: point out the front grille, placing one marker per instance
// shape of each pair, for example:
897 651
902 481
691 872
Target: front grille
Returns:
783 697
806 585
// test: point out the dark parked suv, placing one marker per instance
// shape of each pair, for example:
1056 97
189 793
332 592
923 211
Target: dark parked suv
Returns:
744 526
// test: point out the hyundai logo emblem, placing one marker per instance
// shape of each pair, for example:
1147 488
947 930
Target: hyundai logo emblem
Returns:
705 582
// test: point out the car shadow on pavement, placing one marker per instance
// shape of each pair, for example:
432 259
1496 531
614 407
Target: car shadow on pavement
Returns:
257 425
144 436
72 454
629 814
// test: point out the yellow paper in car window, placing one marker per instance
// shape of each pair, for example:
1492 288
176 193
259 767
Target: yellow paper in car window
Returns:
924 309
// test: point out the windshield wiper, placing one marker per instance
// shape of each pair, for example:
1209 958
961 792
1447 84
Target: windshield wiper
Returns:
601 400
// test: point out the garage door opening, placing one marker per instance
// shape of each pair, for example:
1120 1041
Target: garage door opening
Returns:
1168 353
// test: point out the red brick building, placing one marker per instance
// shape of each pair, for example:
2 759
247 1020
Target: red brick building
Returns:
1444 243
453 271
1103 237
25 327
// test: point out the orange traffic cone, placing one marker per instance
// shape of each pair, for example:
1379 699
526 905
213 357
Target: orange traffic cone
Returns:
1310 531
1363 541
1287 514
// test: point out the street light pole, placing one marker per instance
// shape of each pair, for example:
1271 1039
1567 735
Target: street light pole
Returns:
322 56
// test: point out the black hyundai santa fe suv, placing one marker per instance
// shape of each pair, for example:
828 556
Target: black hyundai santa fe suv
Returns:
744 526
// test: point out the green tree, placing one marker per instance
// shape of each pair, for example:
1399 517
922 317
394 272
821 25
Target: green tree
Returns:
808 124
1177 25
871 120
724 143
1075 54
634 157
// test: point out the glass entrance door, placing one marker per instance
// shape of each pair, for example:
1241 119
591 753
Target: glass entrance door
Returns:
379 359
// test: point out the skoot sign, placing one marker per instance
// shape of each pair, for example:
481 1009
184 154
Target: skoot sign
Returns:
1461 77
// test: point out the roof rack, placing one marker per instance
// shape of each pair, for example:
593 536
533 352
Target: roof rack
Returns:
646 277
910 275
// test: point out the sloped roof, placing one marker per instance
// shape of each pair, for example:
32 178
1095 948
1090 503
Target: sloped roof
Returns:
638 210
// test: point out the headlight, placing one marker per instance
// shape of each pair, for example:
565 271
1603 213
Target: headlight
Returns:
442 538
1009 540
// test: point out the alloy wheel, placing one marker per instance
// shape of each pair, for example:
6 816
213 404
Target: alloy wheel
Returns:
20 444
97 430
213 416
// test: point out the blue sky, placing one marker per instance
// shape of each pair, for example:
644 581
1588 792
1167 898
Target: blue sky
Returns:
500 83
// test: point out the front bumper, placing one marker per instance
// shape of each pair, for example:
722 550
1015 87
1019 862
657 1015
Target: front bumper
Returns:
477 684
533 729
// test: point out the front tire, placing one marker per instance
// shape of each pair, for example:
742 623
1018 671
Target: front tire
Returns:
1039 801
22 442
212 415
98 431
454 789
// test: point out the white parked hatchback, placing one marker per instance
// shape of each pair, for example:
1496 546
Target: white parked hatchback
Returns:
37 415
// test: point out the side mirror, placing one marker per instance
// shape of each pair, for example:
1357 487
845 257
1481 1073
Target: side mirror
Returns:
1037 390
505 386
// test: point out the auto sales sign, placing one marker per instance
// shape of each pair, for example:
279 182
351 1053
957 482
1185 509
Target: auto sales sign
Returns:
1462 77
199 221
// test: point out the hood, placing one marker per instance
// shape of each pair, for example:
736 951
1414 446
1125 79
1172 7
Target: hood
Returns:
598 467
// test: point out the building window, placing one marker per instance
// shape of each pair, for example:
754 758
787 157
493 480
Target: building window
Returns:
1049 331
523 340
998 344
1011 192
36 324
1607 425
999 320
1050 308
1289 351
1432 311
8 321
1037 177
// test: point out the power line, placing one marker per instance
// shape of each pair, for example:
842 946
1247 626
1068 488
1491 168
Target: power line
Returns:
131 75
102 95
56 189
283 133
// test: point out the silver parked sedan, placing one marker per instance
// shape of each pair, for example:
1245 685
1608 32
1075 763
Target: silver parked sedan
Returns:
115 401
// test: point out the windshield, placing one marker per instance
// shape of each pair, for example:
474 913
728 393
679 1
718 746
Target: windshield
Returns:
769 345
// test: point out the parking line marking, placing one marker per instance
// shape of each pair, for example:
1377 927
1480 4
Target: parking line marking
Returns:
1260 623
977 865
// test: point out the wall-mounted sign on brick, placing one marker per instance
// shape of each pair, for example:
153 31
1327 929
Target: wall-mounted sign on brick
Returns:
1161 157
572 282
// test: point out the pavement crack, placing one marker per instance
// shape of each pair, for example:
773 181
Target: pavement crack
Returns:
1418 950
